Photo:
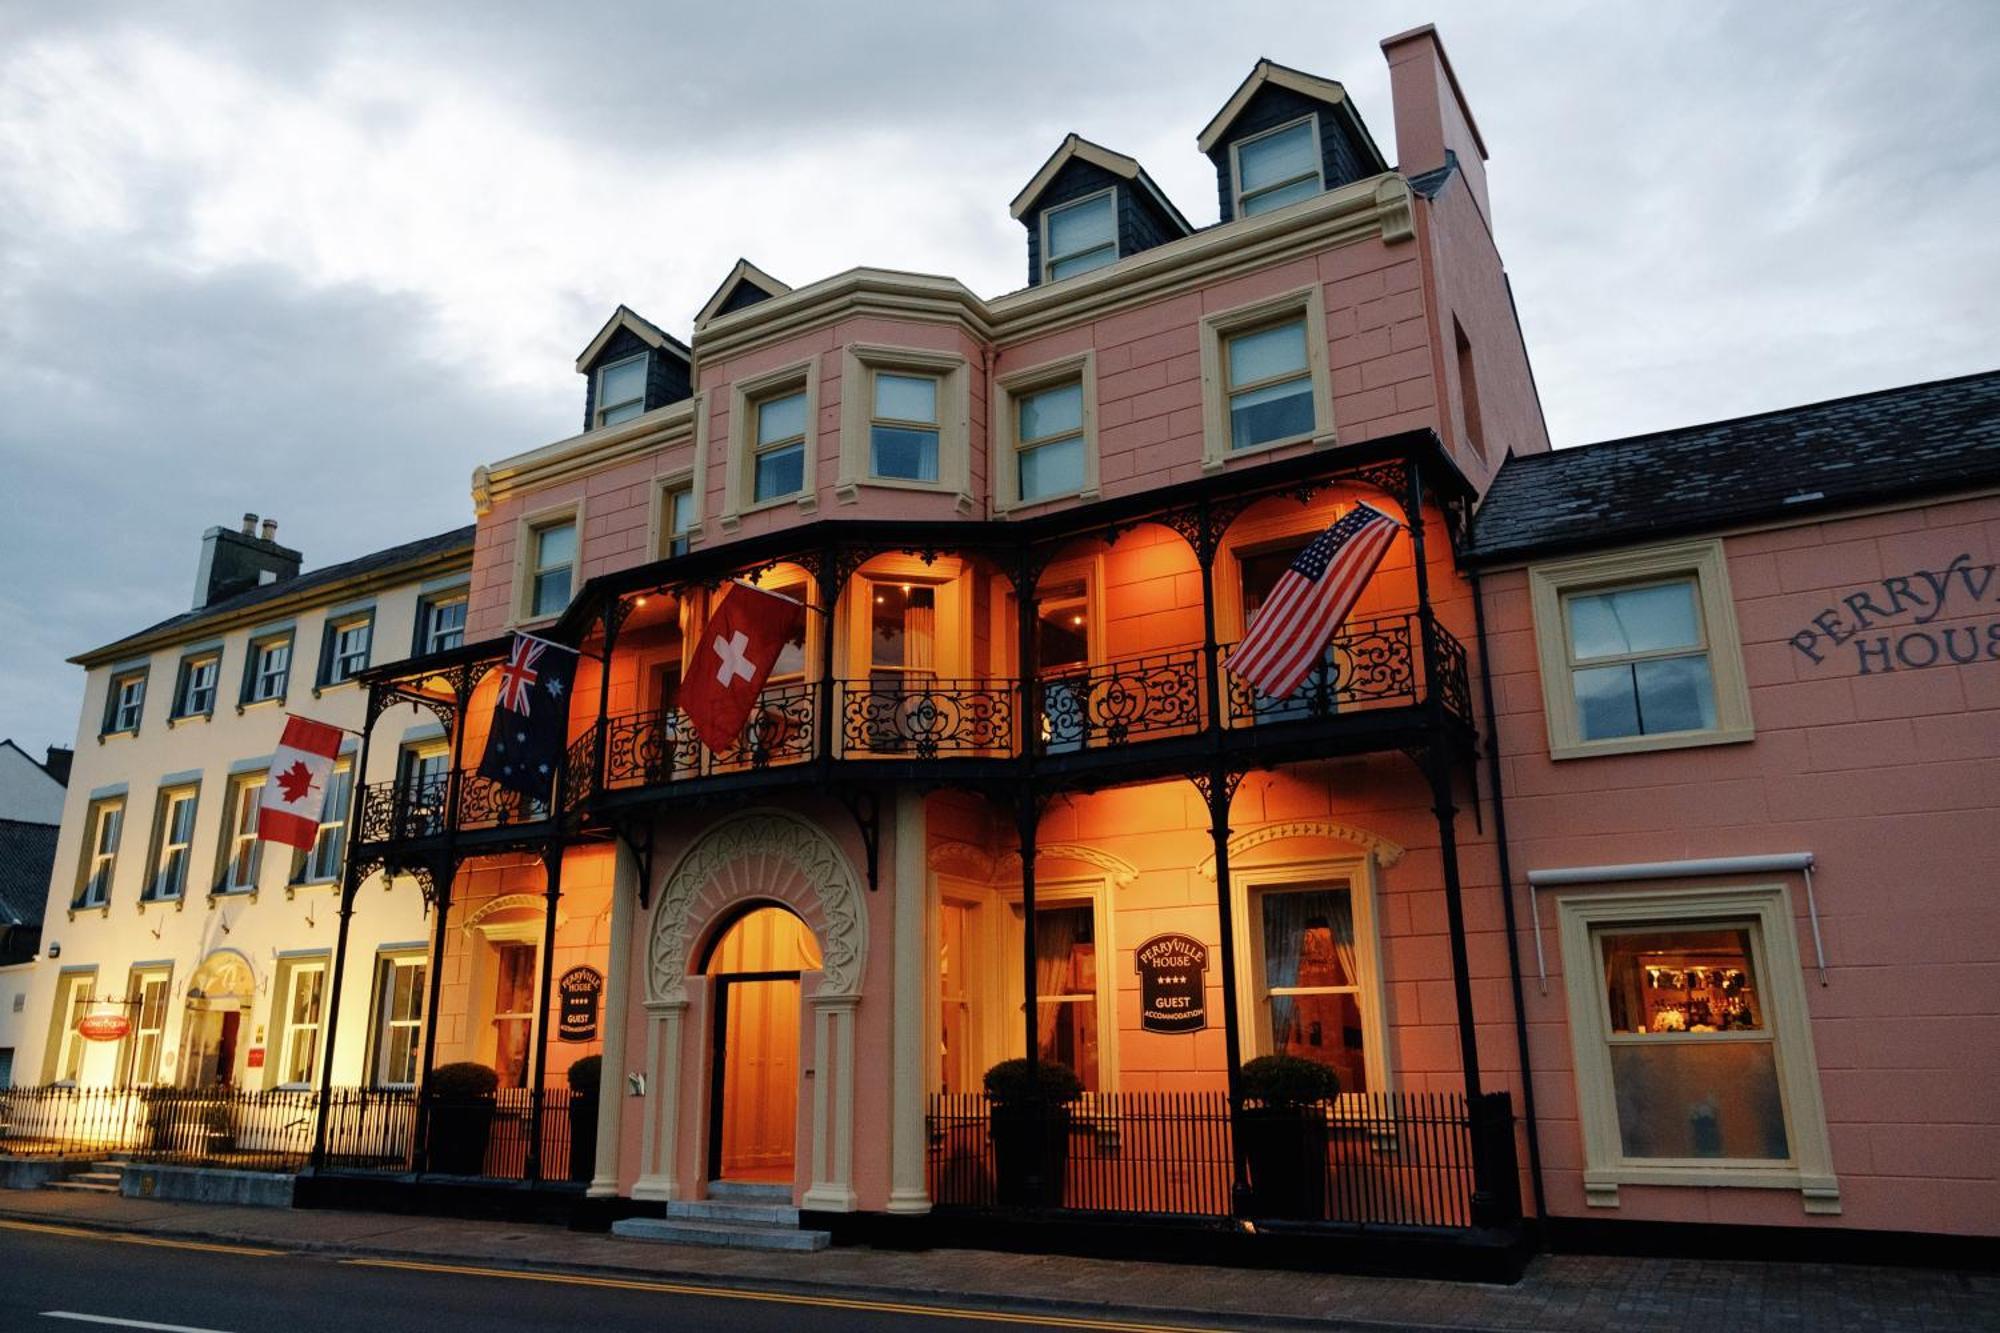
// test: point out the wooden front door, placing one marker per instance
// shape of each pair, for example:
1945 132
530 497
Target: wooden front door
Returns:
754 1101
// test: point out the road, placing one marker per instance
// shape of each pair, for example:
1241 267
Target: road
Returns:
64 1280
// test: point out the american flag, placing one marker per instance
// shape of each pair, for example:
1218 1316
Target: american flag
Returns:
1310 600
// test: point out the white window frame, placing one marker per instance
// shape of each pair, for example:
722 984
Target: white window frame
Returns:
190 683
138 1066
242 851
1318 173
660 531
286 1031
128 703
1702 561
1108 193
1766 908
68 1051
264 683
599 418
341 666
1309 303
760 448
1006 428
164 845
332 829
860 364
433 604
740 488
387 964
1094 891
1359 876
105 822
527 537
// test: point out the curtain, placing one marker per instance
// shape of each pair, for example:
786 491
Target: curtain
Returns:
920 634
1056 936
1284 941
1340 916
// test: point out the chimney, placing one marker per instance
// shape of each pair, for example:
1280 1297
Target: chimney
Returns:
1431 115
233 560
57 764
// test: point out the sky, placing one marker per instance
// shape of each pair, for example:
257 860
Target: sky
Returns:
318 262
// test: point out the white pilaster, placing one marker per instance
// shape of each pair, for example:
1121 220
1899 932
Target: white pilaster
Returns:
909 1013
659 1149
832 1189
611 1090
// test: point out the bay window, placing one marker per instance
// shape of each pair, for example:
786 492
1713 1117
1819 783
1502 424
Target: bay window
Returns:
903 427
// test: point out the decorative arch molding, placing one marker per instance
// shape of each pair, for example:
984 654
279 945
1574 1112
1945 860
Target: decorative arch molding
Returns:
224 974
1386 853
965 859
509 902
769 855
1116 868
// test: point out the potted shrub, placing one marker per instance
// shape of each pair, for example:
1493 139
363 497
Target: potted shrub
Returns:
461 1117
1283 1124
1029 1119
584 1077
218 1132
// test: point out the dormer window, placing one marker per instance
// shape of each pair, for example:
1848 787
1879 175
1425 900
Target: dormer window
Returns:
621 390
1080 237
1278 167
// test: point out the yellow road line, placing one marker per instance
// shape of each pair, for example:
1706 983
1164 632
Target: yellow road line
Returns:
128 1238
789 1298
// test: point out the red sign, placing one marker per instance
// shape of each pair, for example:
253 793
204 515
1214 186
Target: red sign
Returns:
103 1027
255 1059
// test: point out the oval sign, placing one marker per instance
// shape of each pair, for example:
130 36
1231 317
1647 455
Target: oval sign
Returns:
103 1027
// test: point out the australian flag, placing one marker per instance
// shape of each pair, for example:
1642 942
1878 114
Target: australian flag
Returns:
530 728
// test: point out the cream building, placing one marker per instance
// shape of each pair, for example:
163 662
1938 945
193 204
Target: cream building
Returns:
163 908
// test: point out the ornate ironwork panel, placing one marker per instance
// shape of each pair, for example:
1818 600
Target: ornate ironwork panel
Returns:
647 749
909 715
1119 702
580 770
780 730
1453 683
484 803
1368 663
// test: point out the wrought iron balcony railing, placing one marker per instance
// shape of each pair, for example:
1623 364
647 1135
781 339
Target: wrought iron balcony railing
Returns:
1389 662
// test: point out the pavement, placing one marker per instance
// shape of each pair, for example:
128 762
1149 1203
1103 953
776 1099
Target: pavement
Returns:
1558 1293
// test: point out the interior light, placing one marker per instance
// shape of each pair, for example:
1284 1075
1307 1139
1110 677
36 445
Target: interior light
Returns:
1076 620
880 599
638 601
906 587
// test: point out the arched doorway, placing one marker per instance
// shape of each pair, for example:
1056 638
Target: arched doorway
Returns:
219 994
754 965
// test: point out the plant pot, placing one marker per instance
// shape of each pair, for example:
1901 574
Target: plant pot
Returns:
1030 1153
1285 1150
582 1138
459 1132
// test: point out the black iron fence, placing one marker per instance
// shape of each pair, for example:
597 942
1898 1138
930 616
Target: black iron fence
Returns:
251 1131
1377 1159
368 1129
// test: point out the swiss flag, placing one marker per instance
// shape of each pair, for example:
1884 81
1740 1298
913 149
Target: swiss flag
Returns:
295 792
736 653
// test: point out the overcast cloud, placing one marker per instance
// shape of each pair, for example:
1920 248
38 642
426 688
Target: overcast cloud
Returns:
319 261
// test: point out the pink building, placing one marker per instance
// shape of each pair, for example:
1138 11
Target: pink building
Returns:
1011 899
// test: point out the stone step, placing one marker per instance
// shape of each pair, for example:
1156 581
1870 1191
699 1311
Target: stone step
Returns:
719 1235
74 1186
750 1191
110 1178
734 1210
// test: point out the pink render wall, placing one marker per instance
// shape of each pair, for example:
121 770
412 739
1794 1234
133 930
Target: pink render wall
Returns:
1891 779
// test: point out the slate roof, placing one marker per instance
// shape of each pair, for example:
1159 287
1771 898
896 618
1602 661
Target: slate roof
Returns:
407 554
27 854
1920 439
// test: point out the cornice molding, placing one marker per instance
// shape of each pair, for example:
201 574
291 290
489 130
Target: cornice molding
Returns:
1116 868
1386 853
582 455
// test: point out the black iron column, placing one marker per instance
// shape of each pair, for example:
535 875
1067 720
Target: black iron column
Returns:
444 870
357 793
1027 805
827 583
614 616
552 859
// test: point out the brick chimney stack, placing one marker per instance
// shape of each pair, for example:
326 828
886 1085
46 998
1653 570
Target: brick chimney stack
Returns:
1432 117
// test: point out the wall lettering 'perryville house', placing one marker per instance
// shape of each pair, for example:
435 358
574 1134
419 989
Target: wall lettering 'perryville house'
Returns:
1957 591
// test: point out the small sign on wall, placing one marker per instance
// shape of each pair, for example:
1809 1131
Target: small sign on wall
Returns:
581 990
1172 986
254 1059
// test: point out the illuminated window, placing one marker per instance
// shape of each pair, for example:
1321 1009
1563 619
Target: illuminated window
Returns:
399 1019
104 822
513 1011
66 1046
298 1041
1311 993
322 863
1068 1003
173 841
243 850
146 1001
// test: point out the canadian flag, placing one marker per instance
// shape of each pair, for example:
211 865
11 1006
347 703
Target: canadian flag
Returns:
738 649
295 792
